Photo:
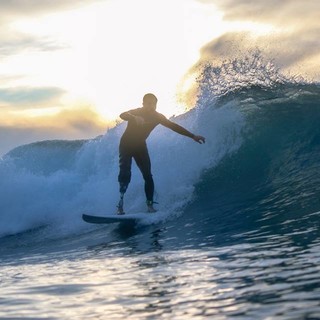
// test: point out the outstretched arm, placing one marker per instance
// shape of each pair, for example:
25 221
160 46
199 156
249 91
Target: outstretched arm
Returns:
181 130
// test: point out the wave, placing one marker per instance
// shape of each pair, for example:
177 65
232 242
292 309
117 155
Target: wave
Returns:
261 159
46 157
53 183
281 150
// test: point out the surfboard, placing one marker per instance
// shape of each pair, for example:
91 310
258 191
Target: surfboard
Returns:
134 217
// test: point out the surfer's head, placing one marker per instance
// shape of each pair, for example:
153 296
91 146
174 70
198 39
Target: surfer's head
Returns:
150 101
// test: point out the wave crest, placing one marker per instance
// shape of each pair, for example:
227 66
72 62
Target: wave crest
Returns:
230 76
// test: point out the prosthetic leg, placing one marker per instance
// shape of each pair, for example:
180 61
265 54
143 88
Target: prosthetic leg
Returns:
123 189
120 205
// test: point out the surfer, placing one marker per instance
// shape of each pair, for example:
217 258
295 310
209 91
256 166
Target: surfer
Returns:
141 122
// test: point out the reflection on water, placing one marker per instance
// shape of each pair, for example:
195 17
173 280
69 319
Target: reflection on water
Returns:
260 275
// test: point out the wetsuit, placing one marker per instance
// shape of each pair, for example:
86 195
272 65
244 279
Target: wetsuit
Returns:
133 145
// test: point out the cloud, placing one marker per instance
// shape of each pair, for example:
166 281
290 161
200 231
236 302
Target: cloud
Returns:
10 8
13 42
8 79
275 11
17 124
29 97
294 43
80 123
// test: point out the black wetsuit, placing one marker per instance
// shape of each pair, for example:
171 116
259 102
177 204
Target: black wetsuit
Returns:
133 145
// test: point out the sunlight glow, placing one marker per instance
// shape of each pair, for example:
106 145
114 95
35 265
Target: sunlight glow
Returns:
256 29
33 113
115 51
109 54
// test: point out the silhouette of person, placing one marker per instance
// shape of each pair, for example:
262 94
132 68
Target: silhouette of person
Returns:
141 122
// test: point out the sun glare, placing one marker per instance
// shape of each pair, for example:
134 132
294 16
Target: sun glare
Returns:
111 53
144 46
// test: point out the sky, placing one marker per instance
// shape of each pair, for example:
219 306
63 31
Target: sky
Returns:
69 68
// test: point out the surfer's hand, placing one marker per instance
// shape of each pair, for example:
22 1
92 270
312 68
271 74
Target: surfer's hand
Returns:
139 120
199 139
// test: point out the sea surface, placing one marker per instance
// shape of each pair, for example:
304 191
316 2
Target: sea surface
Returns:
237 234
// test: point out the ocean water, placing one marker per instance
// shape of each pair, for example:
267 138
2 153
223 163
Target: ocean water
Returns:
237 236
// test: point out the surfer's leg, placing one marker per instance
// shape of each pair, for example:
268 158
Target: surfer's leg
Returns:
143 162
124 177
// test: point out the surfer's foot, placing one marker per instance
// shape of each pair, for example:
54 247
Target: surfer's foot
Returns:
120 210
151 209
120 205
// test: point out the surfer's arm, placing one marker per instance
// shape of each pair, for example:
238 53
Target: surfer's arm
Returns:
128 115
179 129
131 115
